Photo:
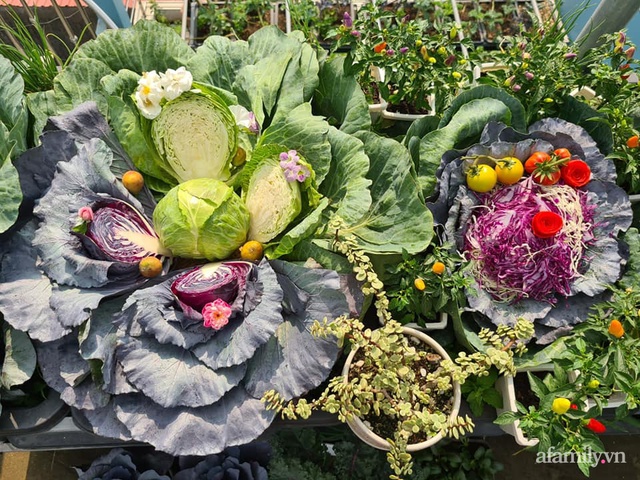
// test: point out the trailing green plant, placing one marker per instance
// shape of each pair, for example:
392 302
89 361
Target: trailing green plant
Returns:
34 59
392 382
422 286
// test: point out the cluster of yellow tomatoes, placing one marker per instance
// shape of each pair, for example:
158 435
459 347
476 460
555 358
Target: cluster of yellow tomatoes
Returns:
482 178
545 169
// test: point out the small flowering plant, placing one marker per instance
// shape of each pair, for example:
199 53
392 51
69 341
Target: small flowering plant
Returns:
423 65
604 350
422 286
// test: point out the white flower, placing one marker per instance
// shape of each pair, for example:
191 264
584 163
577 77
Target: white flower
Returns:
148 107
176 82
245 118
149 94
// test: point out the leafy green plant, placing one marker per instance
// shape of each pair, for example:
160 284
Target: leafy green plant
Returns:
422 286
331 453
481 391
35 60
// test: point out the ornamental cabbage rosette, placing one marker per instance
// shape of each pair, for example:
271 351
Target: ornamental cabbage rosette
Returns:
542 252
183 364
86 238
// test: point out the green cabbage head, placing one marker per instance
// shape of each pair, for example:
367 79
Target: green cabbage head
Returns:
196 135
202 218
273 200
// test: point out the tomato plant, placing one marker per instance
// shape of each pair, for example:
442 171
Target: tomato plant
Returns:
509 170
481 178
535 159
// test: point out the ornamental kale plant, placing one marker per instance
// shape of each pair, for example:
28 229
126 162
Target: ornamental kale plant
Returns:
492 229
117 464
17 362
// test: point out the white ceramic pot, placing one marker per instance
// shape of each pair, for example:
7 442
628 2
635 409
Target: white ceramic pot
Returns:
365 434
505 386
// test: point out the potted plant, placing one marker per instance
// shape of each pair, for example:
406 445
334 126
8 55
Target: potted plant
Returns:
599 355
423 64
424 289
518 392
559 422
400 391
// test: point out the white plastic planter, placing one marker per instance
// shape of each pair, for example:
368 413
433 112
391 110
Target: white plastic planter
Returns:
365 434
441 324
505 386
376 109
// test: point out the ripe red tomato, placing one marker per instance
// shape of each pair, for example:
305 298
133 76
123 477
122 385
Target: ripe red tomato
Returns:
550 178
534 160
562 153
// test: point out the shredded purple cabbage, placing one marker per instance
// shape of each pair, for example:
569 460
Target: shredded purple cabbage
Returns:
509 261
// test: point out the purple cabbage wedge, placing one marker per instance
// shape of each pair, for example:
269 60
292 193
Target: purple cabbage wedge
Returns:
183 364
85 238
552 282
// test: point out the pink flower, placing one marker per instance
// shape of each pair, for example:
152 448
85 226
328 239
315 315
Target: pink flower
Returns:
516 88
529 75
86 214
216 314
293 170
356 33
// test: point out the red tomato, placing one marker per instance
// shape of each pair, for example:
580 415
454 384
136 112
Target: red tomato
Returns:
550 178
562 153
534 160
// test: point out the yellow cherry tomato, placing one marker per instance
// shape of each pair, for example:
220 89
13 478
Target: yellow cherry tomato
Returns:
481 178
133 181
509 170
150 267
251 251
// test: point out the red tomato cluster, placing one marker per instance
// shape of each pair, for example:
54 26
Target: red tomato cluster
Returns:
548 169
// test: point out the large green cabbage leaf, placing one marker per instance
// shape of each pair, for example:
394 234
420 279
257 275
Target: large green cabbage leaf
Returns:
13 141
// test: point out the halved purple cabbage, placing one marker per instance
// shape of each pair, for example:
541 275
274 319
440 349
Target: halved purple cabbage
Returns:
604 258
118 233
204 284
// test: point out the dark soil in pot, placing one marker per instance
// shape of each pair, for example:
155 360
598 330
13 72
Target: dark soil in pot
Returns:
523 391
